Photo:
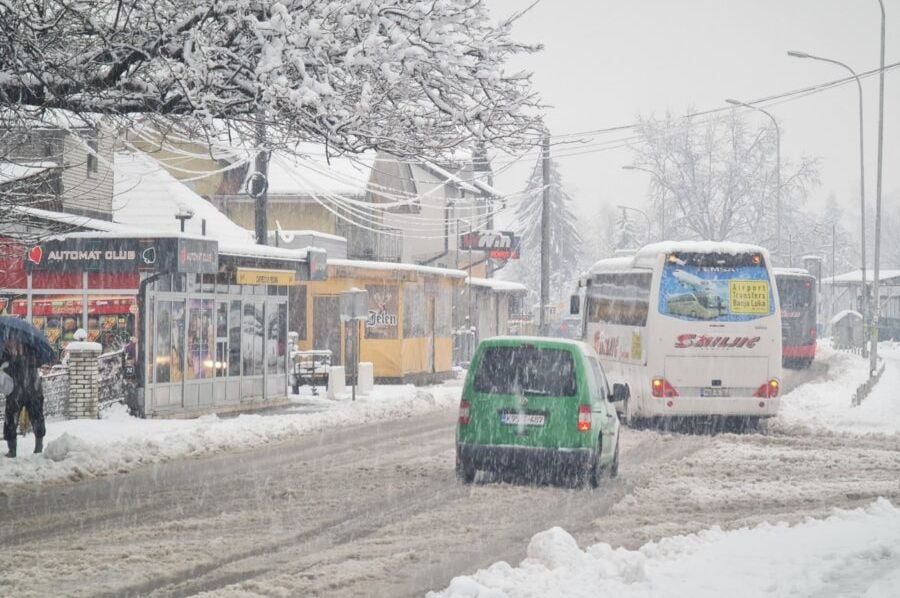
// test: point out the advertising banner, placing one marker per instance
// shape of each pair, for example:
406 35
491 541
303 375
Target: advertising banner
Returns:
193 256
722 294
384 305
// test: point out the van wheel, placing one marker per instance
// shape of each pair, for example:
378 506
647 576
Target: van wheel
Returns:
614 468
465 472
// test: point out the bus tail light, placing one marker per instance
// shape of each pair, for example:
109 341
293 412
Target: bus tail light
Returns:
768 390
584 418
660 387
464 412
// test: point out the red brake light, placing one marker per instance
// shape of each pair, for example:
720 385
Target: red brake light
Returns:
584 418
464 412
660 387
768 390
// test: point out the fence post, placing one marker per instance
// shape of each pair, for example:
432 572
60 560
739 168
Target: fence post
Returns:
84 380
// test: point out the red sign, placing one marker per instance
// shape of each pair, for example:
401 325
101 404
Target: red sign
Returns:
685 341
500 245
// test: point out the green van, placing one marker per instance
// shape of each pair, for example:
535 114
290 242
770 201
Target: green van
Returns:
538 406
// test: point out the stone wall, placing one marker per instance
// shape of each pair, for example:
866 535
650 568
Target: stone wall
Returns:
84 380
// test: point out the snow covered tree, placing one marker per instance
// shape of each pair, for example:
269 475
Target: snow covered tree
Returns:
600 233
566 245
409 77
717 177
626 236
404 76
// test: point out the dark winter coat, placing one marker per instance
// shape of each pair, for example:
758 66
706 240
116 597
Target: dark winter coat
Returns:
27 392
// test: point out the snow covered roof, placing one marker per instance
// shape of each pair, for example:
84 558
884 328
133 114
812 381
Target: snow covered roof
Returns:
612 264
790 271
73 219
447 175
145 195
313 173
843 314
13 171
397 267
855 277
500 286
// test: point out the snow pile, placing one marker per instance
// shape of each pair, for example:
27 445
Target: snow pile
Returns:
77 449
851 553
826 402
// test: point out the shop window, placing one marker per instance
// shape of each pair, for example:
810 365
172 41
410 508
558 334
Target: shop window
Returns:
201 339
298 310
170 341
413 311
58 316
276 338
149 309
252 339
111 321
234 338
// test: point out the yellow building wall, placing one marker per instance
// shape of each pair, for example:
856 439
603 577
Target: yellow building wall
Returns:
391 358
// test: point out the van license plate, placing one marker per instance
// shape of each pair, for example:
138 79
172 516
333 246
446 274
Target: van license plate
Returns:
715 392
521 419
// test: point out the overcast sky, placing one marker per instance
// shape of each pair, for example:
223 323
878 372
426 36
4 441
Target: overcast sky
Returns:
607 62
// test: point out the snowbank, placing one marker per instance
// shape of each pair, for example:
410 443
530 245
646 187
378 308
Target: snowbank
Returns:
851 553
825 403
84 448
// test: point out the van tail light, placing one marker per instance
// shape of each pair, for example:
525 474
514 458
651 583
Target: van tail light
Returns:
660 387
584 418
768 390
464 412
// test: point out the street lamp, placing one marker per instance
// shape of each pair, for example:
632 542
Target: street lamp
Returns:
862 177
777 170
641 212
662 201
873 354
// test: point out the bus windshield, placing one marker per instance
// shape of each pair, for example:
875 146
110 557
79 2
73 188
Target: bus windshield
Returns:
715 287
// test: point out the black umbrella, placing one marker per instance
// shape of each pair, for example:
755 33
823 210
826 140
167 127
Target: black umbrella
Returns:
34 343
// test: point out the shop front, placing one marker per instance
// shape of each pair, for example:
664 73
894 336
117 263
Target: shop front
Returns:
408 334
206 325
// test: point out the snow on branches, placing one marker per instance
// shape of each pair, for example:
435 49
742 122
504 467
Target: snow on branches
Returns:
409 77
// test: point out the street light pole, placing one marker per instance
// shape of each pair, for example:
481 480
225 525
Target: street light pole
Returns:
662 201
641 212
873 354
862 182
777 170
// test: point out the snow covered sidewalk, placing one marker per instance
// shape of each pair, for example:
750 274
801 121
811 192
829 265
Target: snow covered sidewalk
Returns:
77 449
825 403
851 553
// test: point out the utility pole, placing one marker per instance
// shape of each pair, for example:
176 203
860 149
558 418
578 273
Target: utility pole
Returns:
545 235
876 309
259 183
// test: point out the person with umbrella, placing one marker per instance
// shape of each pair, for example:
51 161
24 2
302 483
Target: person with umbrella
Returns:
24 350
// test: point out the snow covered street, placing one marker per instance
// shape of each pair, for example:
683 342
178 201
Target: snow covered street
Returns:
341 499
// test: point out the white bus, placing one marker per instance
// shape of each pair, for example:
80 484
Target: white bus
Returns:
693 328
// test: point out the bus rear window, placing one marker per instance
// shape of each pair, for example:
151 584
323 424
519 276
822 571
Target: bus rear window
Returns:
795 293
526 370
715 287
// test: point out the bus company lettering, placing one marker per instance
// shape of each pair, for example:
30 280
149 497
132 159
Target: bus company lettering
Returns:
685 341
606 346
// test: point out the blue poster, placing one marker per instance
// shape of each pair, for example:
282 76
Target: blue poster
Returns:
722 294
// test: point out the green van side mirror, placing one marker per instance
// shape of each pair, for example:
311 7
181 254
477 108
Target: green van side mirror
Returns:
620 392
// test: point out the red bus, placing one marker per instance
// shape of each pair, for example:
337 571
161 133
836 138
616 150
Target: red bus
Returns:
797 297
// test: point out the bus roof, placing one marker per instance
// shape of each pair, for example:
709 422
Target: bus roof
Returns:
647 255
798 272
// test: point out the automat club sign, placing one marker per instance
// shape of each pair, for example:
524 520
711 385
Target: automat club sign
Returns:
112 254
499 245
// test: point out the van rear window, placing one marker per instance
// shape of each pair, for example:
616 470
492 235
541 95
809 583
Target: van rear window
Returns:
528 371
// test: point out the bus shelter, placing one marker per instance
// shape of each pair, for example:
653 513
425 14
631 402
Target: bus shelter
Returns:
205 323
408 333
